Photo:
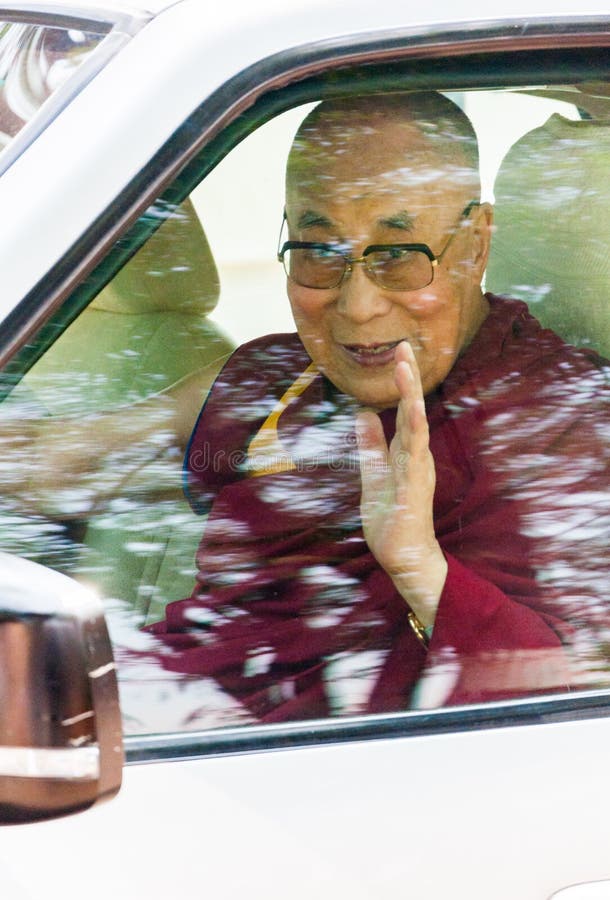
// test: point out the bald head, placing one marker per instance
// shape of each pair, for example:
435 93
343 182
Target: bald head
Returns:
399 141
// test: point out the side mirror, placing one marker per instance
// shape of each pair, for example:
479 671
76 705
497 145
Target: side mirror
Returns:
60 725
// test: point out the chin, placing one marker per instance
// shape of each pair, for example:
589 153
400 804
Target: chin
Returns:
378 393
375 399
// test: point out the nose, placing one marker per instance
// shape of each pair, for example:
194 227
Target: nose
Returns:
360 298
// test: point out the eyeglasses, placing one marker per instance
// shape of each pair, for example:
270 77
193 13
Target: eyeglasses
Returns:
394 267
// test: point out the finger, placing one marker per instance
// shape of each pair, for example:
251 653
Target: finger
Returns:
404 419
411 412
405 380
411 421
407 371
418 422
372 453
404 376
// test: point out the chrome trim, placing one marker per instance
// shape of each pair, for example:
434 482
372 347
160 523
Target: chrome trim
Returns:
552 709
78 763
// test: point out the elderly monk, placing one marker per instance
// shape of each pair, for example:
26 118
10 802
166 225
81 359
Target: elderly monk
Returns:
406 500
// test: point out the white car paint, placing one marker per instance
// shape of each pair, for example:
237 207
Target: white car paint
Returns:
472 816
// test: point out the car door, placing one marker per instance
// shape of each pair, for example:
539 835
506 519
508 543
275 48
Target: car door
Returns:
162 268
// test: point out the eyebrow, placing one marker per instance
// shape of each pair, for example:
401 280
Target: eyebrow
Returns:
402 220
310 219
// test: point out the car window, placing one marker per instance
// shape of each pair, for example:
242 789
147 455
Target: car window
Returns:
252 580
35 61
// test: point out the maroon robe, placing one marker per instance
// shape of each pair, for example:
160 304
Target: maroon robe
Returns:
291 613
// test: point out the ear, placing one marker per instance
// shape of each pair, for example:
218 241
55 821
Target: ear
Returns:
482 224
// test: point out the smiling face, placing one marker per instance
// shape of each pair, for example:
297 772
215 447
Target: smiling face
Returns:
363 175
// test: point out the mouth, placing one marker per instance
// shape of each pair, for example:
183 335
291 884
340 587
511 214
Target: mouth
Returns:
375 354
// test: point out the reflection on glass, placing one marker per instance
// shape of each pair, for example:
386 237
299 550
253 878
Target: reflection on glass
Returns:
368 562
405 504
34 62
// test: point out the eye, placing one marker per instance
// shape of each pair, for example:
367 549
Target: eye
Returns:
324 252
391 256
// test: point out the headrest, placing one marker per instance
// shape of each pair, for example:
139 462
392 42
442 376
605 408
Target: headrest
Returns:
173 272
550 247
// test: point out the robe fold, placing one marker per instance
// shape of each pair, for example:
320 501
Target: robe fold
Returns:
292 615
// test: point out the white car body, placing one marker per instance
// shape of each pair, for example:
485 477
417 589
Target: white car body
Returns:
509 803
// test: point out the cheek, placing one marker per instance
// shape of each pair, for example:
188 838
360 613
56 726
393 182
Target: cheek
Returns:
309 309
438 349
426 303
438 331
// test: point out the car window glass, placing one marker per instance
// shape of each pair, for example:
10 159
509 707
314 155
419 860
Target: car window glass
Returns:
291 614
35 61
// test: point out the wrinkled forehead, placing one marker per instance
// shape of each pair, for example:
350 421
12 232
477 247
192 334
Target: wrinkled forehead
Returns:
351 158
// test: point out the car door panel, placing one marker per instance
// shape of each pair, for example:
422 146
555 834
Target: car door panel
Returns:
449 815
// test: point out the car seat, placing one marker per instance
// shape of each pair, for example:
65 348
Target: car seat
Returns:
550 246
146 330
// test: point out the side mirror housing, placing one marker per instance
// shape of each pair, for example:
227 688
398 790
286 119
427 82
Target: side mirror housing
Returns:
60 725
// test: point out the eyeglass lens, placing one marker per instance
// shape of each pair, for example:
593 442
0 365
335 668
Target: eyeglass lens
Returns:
395 269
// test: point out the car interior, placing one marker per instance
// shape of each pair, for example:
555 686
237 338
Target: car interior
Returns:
146 330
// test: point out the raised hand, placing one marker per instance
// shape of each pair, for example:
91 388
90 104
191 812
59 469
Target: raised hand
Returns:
398 491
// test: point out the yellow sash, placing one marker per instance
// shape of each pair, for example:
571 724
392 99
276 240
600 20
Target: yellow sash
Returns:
266 456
